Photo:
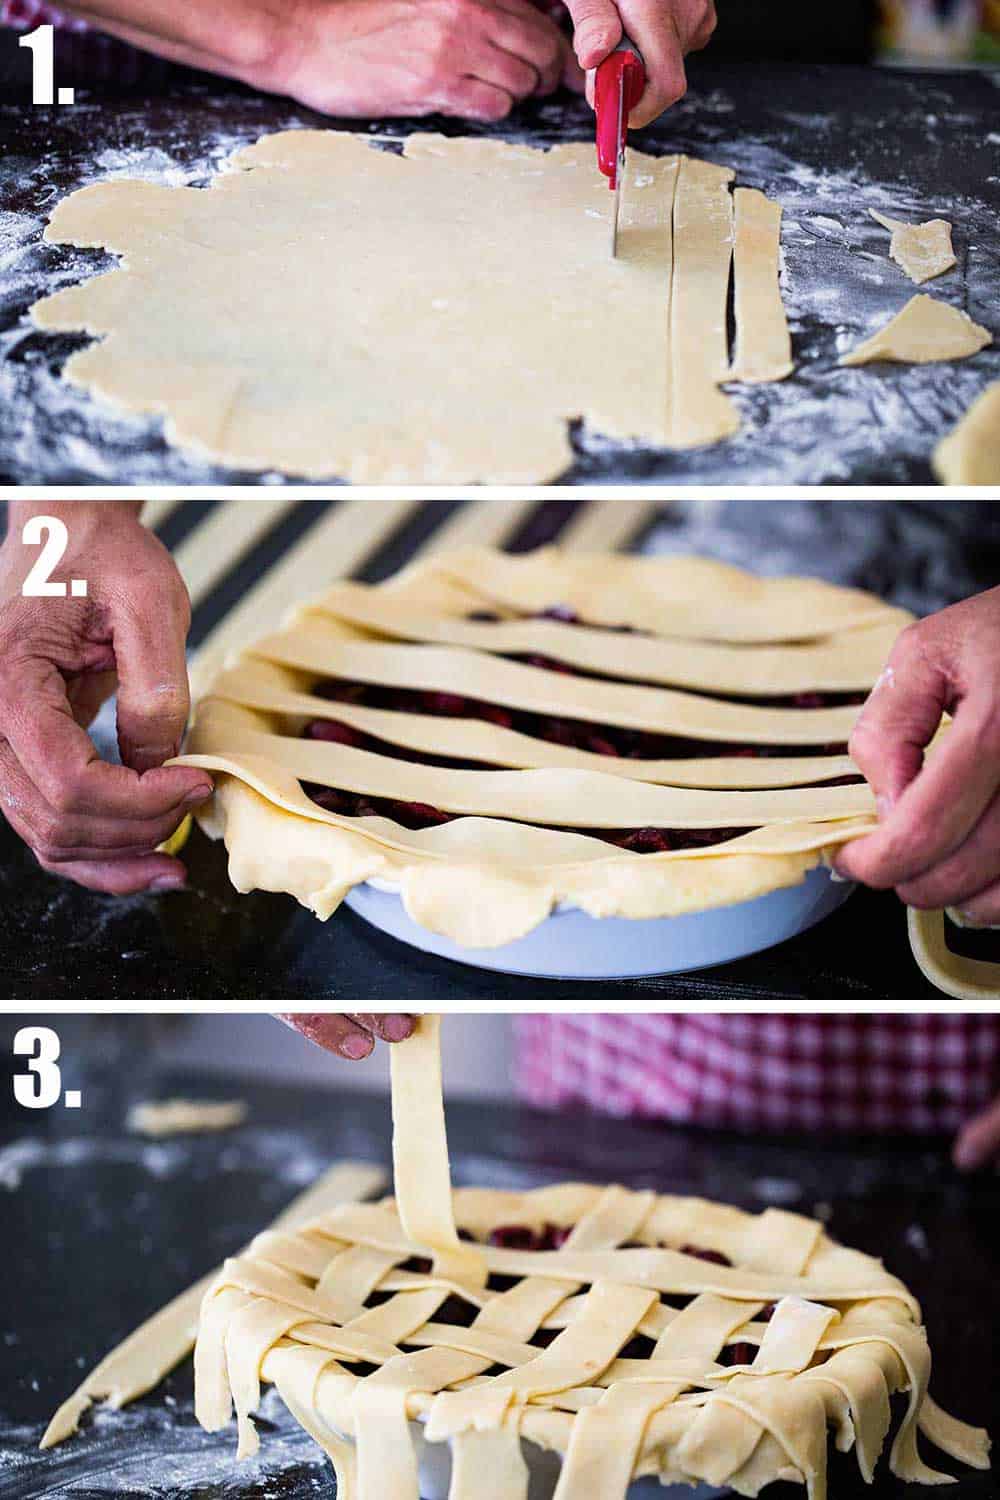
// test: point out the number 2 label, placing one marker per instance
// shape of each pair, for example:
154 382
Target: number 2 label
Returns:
39 583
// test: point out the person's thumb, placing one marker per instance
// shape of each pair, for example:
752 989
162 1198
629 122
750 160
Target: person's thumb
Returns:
597 30
153 694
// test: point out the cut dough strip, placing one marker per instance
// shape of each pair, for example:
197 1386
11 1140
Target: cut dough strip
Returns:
326 654
763 341
683 598
699 345
551 798
257 685
831 664
158 1345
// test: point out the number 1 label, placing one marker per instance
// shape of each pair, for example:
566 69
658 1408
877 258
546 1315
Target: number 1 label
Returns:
41 44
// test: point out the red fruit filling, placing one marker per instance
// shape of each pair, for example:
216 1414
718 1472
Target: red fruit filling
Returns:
714 1257
521 1237
598 739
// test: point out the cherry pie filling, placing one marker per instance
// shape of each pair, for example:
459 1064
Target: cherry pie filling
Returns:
553 1237
599 739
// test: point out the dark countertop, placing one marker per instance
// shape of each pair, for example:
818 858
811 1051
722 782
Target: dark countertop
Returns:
828 141
57 940
109 1227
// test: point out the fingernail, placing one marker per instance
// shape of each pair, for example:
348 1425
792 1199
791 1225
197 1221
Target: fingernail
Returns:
168 883
883 806
356 1046
398 1028
200 794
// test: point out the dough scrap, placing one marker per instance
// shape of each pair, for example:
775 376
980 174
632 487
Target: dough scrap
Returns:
970 454
436 316
163 1117
923 250
927 330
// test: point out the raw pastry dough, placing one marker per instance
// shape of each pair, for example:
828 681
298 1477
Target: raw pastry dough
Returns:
763 342
491 875
925 331
953 974
923 250
780 1334
158 1345
440 315
971 453
161 1117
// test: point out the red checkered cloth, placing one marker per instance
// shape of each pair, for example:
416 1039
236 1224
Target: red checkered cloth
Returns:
915 1074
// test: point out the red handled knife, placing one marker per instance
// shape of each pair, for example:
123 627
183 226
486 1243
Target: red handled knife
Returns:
618 85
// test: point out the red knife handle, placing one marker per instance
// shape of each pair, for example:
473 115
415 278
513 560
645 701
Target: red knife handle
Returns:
621 74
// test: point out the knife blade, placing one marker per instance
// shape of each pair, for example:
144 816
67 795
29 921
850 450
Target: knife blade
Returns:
618 85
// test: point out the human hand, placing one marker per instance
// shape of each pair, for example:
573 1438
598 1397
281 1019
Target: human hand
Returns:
350 1036
471 58
96 823
977 1144
938 840
664 31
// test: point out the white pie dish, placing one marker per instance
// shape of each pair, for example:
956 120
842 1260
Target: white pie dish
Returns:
570 944
543 1474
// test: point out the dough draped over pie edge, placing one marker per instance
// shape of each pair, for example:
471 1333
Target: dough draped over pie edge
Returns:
486 881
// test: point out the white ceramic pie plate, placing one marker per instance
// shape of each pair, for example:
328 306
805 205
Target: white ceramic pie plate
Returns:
543 1471
572 945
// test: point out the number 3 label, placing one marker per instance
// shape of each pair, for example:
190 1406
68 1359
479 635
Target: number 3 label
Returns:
39 583
41 1086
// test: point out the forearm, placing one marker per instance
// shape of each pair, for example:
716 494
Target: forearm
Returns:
242 38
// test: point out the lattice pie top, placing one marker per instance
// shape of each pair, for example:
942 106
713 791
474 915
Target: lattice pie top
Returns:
497 735
631 1332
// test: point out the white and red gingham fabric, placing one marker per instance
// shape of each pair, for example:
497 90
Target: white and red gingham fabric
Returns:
25 15
916 1074
83 56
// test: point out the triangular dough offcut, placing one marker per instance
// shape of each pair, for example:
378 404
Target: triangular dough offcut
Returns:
927 330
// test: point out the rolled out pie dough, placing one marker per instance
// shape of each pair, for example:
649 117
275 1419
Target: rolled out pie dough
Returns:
442 314
971 453
923 250
927 330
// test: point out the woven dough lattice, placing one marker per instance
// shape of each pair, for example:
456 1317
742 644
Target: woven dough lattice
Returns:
652 1335
495 736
